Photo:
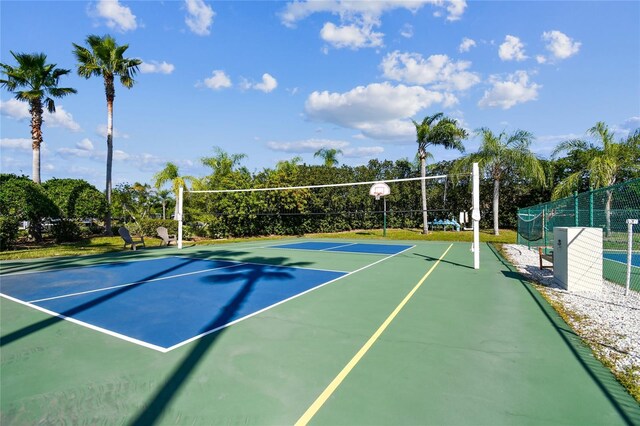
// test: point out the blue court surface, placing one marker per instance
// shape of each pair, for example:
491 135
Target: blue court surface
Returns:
162 303
347 247
622 258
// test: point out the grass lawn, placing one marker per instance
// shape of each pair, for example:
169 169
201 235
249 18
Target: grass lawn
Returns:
98 245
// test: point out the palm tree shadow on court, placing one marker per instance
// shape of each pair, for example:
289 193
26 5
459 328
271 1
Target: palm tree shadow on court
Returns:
40 325
258 271
605 381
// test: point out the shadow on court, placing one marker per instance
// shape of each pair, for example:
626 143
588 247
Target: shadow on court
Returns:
445 260
41 325
159 402
606 382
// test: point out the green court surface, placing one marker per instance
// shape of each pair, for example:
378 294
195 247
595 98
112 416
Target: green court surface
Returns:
457 346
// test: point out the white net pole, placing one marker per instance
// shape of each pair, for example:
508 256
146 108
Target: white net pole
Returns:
179 216
475 215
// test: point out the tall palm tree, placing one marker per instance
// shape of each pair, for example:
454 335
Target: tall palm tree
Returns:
104 58
605 163
501 154
435 130
329 155
170 174
36 82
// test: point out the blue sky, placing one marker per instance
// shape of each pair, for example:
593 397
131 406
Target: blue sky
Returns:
275 80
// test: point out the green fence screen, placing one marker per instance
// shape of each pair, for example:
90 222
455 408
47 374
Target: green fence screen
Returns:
607 208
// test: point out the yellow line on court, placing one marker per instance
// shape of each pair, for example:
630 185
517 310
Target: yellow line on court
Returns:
319 402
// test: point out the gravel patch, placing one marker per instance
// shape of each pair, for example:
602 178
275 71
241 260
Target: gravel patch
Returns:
607 320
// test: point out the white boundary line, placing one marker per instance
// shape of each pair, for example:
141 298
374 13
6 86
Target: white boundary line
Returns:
617 261
338 246
265 264
282 301
68 268
80 293
87 325
165 350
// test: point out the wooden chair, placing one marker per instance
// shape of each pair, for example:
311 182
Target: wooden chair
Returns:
124 233
166 238
544 256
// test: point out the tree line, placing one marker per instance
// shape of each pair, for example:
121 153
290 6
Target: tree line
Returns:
510 170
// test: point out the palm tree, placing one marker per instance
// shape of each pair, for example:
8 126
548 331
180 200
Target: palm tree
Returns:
435 130
605 163
499 155
105 59
40 81
329 155
170 174
163 196
222 163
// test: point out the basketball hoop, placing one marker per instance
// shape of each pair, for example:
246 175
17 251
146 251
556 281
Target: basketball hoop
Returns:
379 189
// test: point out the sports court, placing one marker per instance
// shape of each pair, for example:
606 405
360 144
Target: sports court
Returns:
293 331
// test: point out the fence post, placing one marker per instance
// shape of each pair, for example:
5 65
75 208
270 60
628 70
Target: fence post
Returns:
575 209
591 207
529 230
544 224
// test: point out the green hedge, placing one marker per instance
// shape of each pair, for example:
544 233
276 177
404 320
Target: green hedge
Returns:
8 232
148 227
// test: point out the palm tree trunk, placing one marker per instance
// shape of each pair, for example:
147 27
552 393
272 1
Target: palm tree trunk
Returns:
36 138
496 206
107 220
423 187
164 209
607 213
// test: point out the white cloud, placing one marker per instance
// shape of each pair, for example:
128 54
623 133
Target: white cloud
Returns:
560 45
379 110
83 149
514 90
268 83
352 36
60 118
365 10
101 130
359 18
156 67
119 155
15 109
363 152
306 146
199 17
218 80
625 128
118 17
85 144
541 59
19 144
407 31
19 110
512 49
466 44
310 146
437 70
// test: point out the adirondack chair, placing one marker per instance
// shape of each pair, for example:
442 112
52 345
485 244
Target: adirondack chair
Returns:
166 238
124 233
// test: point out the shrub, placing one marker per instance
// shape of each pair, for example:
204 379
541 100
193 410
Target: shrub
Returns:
76 198
23 199
8 232
65 231
148 227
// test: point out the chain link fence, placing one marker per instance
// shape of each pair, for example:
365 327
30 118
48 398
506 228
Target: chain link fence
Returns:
610 208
